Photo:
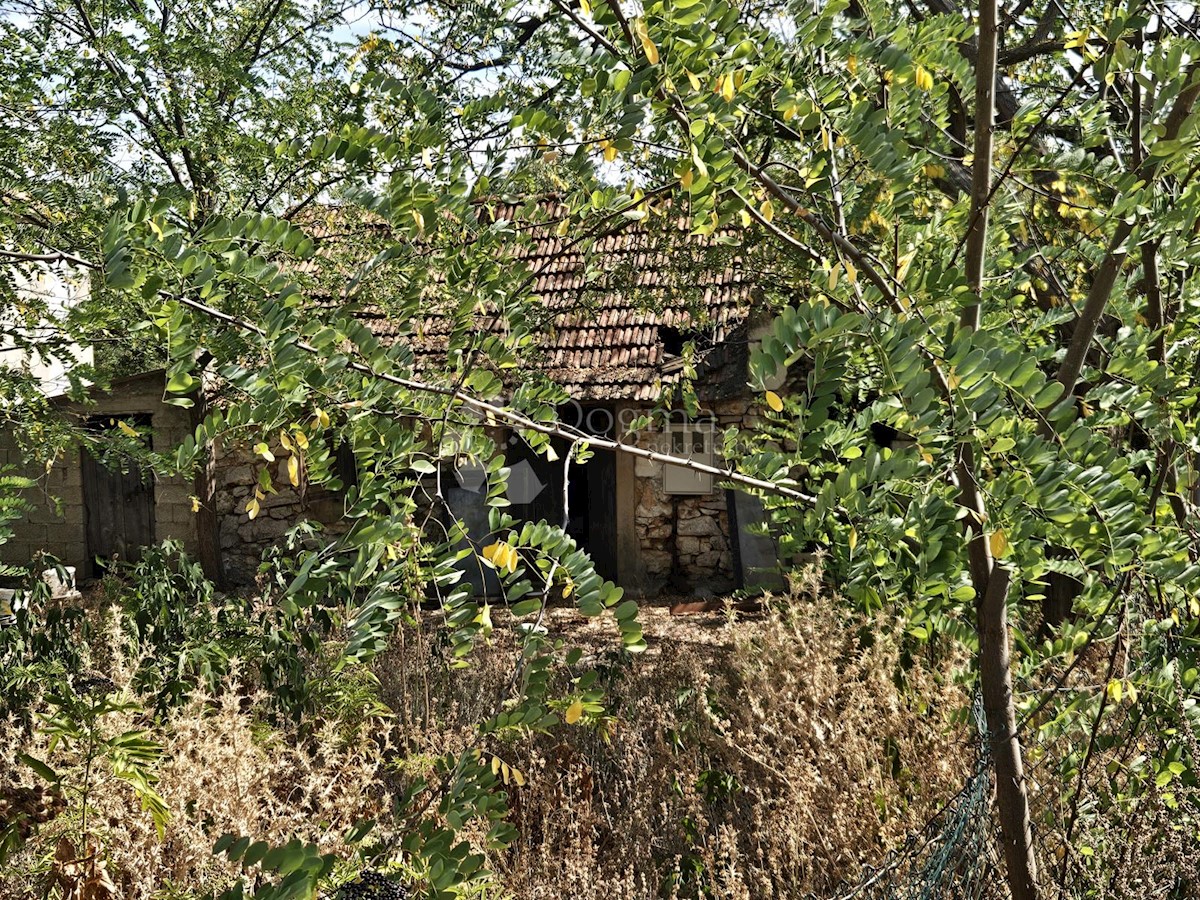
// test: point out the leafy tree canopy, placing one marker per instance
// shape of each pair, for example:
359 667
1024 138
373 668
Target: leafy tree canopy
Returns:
982 229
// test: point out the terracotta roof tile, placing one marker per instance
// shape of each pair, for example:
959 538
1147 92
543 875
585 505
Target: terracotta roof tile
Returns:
603 338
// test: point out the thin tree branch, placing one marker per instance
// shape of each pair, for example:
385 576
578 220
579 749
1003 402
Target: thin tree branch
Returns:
981 167
518 419
1106 274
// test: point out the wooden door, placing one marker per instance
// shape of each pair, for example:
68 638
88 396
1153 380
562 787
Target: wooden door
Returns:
118 508
601 542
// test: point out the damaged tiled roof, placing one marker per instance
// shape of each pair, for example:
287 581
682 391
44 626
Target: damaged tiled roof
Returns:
616 316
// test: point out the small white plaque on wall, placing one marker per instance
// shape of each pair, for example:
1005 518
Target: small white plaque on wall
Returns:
693 440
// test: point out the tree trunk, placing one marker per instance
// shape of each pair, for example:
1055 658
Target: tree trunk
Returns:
1012 801
991 581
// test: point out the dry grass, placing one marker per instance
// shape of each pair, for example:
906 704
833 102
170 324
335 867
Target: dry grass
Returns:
766 758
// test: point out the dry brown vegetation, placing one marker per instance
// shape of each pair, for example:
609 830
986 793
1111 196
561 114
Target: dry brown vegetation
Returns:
766 757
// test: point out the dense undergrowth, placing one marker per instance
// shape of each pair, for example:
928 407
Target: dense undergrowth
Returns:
757 758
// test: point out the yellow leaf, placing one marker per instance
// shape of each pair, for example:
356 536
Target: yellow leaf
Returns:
643 33
501 555
767 210
1115 690
505 772
745 217
127 429
998 542
934 170
293 467
574 712
725 87
301 440
1075 40
833 277
585 7
195 504
851 273
686 180
419 219
518 778
774 402
252 507
852 541
285 441
495 765
323 418
610 152
852 64
693 79
651 51
568 588
923 79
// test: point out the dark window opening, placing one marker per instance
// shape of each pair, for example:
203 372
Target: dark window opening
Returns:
345 466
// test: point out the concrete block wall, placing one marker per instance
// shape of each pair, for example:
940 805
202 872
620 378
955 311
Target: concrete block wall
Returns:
57 522
173 514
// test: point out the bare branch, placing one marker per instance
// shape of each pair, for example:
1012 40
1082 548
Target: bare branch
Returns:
1114 258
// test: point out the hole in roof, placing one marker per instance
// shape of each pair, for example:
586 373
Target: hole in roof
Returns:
673 339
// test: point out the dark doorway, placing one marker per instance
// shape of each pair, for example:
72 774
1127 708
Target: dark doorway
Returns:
591 490
118 503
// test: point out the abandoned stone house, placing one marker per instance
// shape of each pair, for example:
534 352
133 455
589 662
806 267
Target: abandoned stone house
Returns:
652 528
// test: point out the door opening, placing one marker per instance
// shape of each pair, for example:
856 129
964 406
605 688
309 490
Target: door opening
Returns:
536 487
118 502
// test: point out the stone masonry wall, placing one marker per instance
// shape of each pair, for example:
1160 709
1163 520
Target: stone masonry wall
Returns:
245 540
684 541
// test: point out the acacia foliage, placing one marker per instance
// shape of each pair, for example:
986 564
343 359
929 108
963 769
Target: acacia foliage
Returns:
839 134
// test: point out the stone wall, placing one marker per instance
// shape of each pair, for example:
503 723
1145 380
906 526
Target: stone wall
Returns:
684 541
58 521
244 540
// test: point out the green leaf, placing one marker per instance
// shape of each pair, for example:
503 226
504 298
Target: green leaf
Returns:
255 852
40 767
